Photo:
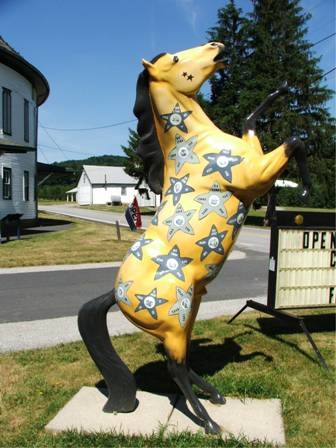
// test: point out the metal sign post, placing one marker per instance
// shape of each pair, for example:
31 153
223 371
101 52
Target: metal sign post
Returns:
302 267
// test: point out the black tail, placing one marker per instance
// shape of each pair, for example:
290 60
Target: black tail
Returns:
118 378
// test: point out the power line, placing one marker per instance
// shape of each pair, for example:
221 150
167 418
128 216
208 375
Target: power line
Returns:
323 39
91 128
53 140
67 150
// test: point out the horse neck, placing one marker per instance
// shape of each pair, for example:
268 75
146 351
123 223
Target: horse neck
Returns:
164 100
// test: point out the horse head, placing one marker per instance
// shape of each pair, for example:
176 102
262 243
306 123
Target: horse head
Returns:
187 70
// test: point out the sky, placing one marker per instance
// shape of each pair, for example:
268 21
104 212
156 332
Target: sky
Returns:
91 51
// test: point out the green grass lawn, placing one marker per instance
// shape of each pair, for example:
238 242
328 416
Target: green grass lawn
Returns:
255 357
78 242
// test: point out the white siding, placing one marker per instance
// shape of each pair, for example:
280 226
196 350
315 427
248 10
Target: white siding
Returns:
84 190
21 89
18 163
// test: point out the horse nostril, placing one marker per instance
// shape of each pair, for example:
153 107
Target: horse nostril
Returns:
217 44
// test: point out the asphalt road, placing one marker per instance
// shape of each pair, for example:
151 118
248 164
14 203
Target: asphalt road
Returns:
29 296
50 294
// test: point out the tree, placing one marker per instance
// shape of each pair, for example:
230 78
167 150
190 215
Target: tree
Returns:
273 50
133 163
226 103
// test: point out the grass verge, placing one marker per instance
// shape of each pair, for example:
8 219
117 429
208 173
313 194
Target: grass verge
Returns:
256 356
79 242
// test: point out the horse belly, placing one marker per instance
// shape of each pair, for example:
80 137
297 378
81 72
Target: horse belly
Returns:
146 295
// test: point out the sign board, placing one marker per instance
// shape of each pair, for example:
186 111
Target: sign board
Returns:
302 269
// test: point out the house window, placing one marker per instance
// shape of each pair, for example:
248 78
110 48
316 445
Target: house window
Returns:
26 120
123 191
26 185
6 111
7 183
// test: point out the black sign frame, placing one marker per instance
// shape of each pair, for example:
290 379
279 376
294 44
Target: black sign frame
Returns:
293 220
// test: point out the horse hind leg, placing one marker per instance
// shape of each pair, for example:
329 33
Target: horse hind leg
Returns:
180 375
215 396
118 378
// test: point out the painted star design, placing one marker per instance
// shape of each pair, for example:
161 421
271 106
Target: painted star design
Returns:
213 201
179 221
212 243
190 77
176 118
155 219
213 270
121 292
172 263
183 152
222 163
149 302
237 220
178 187
182 306
136 249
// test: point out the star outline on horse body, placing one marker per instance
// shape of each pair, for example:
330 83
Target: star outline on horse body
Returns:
176 118
171 263
183 152
149 302
221 162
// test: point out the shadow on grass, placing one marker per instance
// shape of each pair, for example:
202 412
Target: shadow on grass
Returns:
206 358
274 328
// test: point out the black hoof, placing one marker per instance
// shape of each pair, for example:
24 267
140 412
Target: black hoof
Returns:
212 427
217 399
122 407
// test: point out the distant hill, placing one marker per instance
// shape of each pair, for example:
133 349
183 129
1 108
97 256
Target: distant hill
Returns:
106 160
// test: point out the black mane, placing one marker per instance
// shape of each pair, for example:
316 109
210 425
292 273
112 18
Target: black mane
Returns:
149 148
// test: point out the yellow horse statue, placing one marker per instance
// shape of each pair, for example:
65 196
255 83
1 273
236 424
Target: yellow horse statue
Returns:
208 179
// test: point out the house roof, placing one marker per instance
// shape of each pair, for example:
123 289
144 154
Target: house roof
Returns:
108 174
14 60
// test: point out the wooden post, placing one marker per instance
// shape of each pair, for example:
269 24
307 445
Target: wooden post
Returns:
118 230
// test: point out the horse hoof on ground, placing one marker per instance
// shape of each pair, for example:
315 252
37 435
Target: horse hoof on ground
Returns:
217 399
212 427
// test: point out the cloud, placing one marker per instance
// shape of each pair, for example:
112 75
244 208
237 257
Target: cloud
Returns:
191 12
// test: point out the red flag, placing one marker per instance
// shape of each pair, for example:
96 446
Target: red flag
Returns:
133 215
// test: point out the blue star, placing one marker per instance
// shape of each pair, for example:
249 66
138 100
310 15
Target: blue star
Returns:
212 243
237 220
149 302
136 249
155 219
213 270
172 263
222 163
176 118
182 306
178 187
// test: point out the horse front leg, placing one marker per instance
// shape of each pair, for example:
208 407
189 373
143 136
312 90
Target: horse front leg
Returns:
296 146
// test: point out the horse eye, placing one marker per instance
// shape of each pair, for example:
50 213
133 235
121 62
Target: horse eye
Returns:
175 59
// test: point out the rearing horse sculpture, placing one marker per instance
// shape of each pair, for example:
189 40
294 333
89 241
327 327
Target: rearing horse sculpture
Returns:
208 180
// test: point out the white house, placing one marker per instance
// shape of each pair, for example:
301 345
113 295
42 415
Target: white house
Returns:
23 90
108 184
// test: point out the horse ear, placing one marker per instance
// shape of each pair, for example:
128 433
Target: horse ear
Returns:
147 64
